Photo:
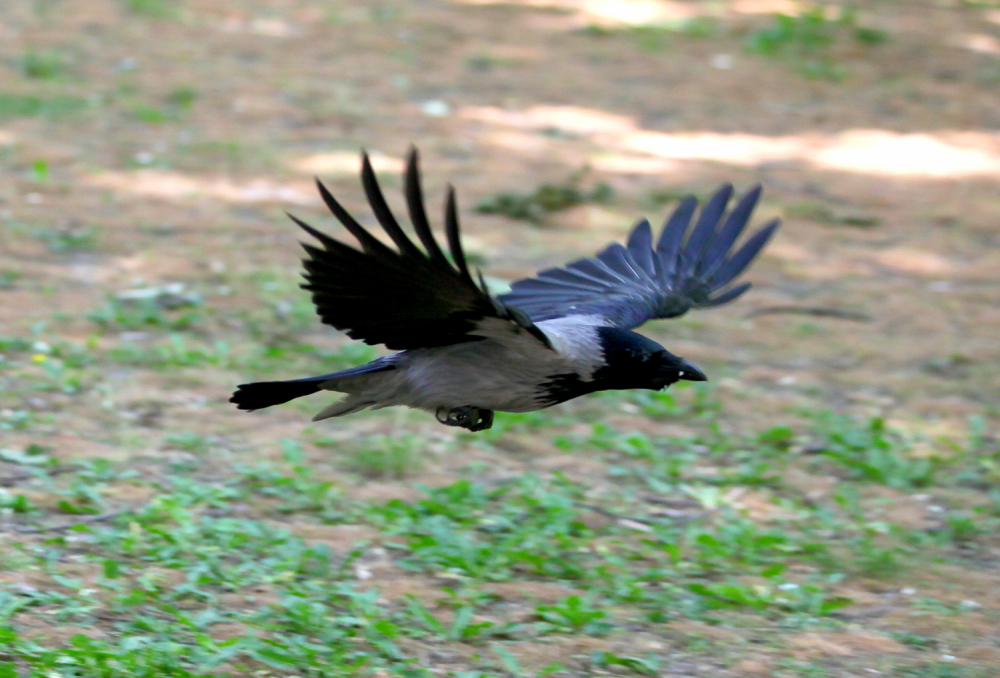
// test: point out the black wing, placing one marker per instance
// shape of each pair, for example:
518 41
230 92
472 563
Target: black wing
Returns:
690 267
405 298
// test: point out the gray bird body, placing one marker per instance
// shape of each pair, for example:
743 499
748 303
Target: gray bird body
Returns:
500 373
464 353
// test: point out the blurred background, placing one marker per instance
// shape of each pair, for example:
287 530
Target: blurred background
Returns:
149 150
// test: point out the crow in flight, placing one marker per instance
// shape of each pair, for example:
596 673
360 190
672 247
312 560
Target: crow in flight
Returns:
463 353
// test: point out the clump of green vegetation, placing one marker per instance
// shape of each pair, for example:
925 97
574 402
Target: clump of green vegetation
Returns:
873 452
647 666
545 199
386 457
163 308
40 171
656 37
484 61
824 214
150 114
174 352
168 108
8 279
574 614
808 40
47 65
658 197
182 97
187 441
155 9
73 237
33 106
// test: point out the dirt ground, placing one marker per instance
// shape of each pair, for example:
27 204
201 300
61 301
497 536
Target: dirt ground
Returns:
145 143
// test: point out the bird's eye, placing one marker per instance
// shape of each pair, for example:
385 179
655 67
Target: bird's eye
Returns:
681 373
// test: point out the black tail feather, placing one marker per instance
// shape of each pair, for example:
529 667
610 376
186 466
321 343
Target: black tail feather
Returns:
263 394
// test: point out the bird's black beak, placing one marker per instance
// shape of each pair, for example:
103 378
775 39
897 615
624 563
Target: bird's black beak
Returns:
689 372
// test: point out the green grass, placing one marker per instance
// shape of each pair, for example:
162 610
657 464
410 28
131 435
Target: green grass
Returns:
206 574
33 106
660 36
573 614
175 351
9 278
69 239
154 9
183 97
46 65
823 213
386 457
151 115
545 199
809 41
188 442
873 452
160 309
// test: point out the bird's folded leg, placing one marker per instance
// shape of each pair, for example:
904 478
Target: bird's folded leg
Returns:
467 416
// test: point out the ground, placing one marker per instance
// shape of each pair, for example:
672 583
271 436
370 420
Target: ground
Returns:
826 505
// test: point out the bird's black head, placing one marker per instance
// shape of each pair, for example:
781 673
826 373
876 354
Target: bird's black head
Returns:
633 361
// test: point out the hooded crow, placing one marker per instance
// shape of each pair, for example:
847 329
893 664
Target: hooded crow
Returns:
464 353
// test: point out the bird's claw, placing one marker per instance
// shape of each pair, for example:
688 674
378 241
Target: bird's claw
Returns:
467 416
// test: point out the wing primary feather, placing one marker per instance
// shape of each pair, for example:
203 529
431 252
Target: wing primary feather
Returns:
538 287
486 290
669 245
598 269
707 222
546 298
327 241
369 243
640 246
728 295
454 237
418 214
743 256
616 257
575 268
332 247
732 228
382 211
676 224
566 278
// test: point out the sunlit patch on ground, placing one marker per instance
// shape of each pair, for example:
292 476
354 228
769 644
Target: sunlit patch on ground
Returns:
345 162
275 28
175 186
979 42
764 6
946 154
610 12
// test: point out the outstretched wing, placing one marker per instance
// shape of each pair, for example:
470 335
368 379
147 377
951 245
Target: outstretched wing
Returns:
405 297
690 267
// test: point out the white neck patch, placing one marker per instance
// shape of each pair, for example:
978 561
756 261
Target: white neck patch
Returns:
575 338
